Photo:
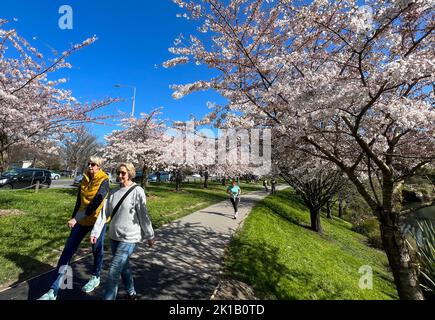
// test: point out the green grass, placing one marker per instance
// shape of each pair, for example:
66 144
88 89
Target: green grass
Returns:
281 258
31 243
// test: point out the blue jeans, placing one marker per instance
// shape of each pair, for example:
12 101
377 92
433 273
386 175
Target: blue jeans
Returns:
119 267
72 243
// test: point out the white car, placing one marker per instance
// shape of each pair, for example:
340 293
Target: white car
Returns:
196 175
55 176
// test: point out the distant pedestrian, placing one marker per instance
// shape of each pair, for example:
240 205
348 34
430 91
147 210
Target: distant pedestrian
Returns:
234 191
266 185
130 224
93 190
273 183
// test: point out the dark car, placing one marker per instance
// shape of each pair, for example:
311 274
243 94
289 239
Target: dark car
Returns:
25 178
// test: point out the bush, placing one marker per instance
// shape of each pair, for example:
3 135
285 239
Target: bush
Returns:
370 228
424 246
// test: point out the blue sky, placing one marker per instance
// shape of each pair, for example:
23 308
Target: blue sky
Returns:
133 41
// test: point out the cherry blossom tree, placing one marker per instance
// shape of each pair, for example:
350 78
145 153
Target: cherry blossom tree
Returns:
33 108
349 85
140 142
315 180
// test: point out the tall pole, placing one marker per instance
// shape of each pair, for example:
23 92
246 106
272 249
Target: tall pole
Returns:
134 96
134 101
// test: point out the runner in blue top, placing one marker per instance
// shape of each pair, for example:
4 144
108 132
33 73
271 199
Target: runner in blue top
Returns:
234 191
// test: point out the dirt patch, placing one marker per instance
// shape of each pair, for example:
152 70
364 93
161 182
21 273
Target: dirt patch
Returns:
10 212
230 289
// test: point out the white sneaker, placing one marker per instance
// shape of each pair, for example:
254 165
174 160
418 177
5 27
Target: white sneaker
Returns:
91 285
48 296
236 215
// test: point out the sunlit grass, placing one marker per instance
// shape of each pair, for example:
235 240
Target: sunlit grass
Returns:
282 258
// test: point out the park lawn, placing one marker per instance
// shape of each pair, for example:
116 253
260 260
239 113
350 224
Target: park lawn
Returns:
31 243
281 258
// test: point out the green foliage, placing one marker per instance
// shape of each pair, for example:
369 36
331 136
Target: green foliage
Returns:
370 228
425 250
281 258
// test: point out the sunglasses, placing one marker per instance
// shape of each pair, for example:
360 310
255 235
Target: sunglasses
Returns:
92 164
122 173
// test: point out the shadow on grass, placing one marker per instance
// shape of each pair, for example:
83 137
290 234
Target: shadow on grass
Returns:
257 265
275 206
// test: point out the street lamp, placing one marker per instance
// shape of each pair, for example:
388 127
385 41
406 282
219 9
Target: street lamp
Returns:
134 95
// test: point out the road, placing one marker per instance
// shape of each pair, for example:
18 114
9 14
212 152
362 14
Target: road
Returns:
62 184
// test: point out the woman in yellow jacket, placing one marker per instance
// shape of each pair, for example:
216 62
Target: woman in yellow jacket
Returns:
94 189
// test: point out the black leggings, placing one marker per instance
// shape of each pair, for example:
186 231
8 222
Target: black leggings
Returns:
235 203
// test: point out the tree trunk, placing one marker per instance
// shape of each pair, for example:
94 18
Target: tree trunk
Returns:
340 205
177 180
3 153
315 220
206 179
144 180
404 272
223 181
328 209
3 165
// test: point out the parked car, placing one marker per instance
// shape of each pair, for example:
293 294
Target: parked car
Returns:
78 179
66 173
55 176
25 178
164 177
196 175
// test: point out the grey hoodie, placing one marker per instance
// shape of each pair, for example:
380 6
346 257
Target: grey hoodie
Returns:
131 223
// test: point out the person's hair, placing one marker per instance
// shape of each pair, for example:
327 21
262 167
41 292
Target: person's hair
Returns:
234 181
98 160
130 169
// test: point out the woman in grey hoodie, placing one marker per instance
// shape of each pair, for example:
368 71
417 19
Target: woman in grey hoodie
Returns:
129 224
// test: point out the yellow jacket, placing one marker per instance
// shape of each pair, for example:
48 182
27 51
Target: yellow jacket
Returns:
88 190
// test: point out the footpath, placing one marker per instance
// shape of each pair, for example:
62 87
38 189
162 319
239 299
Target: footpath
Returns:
184 264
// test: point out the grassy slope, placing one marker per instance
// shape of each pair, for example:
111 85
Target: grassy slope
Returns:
31 243
282 259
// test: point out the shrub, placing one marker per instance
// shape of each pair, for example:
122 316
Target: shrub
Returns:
424 247
370 228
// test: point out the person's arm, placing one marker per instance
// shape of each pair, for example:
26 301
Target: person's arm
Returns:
78 203
101 221
144 218
99 197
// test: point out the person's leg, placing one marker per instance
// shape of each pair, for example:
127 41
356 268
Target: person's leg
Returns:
98 251
127 276
75 238
233 203
236 205
121 252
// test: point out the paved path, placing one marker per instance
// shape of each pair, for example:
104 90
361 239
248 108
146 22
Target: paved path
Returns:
184 263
